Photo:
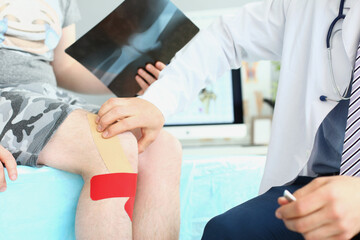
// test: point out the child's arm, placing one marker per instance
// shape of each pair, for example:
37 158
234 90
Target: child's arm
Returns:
69 73
73 76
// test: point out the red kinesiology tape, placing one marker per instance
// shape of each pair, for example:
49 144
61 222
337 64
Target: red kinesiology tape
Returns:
115 185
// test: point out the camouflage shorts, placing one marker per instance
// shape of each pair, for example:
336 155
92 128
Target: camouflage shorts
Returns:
30 115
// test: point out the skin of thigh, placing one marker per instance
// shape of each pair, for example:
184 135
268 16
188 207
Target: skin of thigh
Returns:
157 202
72 148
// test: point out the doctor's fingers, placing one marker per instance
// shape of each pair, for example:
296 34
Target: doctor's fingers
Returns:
143 85
155 69
147 76
160 65
111 103
302 206
120 126
139 113
148 136
312 186
309 223
329 231
282 201
116 115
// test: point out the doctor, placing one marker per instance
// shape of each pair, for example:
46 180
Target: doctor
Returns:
317 47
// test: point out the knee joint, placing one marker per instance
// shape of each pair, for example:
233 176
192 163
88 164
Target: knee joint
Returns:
122 178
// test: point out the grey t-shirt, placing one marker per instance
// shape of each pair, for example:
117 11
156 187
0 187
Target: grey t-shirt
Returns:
30 30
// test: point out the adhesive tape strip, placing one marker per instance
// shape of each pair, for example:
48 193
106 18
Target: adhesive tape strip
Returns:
121 181
115 185
110 150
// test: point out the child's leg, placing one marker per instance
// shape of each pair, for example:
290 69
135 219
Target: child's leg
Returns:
72 149
157 202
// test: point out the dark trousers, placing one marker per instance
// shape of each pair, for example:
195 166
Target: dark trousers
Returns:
255 219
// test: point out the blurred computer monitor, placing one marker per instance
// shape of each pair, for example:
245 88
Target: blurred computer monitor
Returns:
217 113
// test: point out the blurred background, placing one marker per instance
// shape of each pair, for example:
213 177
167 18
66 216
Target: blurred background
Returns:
218 171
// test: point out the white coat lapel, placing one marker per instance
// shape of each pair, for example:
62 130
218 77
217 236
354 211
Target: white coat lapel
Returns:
351 30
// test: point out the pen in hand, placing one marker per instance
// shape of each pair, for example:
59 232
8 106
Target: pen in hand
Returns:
289 196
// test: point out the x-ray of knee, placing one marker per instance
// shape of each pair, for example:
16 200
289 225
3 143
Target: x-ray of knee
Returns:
137 32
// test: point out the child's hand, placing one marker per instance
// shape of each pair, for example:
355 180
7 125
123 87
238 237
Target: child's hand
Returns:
9 161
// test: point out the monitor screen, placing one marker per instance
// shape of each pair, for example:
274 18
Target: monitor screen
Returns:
216 113
220 103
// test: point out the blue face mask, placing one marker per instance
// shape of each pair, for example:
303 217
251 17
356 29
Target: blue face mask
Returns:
51 37
3 29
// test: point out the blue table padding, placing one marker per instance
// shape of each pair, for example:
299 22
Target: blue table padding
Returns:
41 204
212 185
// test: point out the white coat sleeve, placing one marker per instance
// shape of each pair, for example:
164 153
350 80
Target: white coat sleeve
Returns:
253 33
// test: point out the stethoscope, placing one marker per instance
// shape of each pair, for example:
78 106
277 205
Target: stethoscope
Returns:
329 38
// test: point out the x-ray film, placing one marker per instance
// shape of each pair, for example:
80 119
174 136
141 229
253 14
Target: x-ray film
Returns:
137 32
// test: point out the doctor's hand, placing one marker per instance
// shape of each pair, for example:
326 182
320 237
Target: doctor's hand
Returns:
118 115
326 208
146 77
7 159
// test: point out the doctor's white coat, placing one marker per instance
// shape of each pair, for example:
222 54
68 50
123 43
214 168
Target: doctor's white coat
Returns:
293 31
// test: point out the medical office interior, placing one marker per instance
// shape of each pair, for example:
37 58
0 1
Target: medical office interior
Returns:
217 158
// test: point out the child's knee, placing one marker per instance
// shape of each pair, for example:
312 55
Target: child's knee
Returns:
128 142
170 143
162 158
119 153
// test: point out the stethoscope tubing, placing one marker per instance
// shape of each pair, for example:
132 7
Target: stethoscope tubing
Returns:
331 33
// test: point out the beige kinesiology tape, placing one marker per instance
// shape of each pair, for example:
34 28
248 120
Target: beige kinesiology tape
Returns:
121 181
110 150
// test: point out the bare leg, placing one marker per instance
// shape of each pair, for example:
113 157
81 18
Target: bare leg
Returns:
72 149
157 202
